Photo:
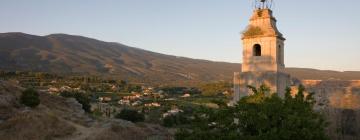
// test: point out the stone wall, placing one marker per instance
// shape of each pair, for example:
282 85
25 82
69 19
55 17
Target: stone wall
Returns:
340 102
276 81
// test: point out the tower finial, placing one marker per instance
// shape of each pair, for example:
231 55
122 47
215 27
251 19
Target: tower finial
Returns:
263 4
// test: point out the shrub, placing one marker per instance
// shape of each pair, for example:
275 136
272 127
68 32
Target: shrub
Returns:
252 31
30 98
169 121
130 115
82 98
97 113
175 120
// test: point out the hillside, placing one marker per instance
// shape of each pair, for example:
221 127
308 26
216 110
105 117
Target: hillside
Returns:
314 74
68 54
60 53
63 119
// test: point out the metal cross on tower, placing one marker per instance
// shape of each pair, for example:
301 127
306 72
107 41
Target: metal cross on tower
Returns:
263 4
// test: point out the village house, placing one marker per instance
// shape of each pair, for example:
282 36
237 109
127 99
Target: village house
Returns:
170 99
105 99
53 90
148 90
132 97
124 102
185 95
152 105
136 103
172 112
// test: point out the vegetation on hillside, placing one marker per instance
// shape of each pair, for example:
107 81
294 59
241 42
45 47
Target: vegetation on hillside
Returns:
82 98
30 98
213 89
130 115
175 120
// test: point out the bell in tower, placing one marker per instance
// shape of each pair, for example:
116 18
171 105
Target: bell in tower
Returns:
263 54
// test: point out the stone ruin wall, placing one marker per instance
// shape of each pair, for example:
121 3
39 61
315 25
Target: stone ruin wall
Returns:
340 102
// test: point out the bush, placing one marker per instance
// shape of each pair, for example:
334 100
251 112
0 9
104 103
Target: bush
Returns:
130 115
169 121
97 113
30 98
82 98
174 120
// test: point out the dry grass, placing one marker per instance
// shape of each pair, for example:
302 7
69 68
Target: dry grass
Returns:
34 125
118 132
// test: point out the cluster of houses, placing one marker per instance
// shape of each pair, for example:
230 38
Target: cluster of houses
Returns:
144 98
55 90
136 99
153 104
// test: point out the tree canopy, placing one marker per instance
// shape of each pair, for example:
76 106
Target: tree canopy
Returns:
30 98
261 116
82 98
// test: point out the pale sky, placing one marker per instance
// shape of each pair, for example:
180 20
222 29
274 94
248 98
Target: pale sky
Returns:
320 34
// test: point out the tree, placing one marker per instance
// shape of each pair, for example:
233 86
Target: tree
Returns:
174 120
262 116
130 115
30 98
82 98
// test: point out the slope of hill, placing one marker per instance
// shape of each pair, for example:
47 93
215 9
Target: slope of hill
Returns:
60 53
314 74
63 119
65 54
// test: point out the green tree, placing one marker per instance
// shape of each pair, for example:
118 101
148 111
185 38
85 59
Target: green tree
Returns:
261 116
82 98
174 120
130 115
30 98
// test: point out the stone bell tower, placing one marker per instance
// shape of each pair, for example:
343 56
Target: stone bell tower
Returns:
263 44
263 55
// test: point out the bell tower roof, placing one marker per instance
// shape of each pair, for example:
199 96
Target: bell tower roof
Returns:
262 24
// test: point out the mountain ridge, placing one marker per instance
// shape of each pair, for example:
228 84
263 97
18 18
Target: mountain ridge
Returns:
65 54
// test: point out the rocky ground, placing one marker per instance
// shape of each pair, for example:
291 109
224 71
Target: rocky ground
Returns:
63 119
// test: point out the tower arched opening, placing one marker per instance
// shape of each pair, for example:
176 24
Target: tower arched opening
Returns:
257 50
